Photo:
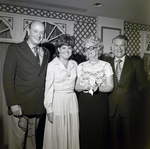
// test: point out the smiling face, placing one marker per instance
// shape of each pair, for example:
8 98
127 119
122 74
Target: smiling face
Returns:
36 33
65 52
91 51
119 47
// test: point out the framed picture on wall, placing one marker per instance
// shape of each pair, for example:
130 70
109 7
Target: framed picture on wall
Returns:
145 42
107 34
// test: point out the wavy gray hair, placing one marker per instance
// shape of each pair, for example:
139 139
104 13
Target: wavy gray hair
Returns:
96 42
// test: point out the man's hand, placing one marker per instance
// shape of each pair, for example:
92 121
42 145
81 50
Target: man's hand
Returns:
16 110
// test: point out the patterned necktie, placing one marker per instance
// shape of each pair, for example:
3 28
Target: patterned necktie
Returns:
118 69
37 54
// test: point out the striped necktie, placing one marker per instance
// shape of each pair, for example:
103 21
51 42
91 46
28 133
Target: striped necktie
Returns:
118 69
37 54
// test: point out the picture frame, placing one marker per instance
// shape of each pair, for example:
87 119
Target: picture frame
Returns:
145 42
107 34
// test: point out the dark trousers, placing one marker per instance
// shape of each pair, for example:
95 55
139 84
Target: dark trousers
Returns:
40 132
125 133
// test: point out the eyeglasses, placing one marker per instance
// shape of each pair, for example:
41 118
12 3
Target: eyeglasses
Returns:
91 48
24 123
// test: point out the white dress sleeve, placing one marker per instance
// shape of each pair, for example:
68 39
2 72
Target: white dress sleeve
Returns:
108 69
79 67
49 88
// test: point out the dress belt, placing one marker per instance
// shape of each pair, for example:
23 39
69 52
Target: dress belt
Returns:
65 91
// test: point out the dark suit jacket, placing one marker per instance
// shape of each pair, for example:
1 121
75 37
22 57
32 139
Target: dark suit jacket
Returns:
127 94
24 79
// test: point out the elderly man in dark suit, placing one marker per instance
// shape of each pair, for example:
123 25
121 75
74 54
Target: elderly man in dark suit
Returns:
126 100
24 81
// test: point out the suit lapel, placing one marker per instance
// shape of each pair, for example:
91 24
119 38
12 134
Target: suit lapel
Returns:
126 67
113 67
26 51
45 59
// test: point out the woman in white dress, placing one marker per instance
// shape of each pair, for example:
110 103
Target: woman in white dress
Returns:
62 123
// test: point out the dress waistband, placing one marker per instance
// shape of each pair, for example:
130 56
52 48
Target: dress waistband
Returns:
65 91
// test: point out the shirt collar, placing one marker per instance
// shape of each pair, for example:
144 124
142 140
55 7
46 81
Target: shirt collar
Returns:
32 46
122 58
71 64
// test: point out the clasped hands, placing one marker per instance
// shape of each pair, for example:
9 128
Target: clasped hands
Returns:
91 85
88 87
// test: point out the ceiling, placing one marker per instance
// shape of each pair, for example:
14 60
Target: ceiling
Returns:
136 11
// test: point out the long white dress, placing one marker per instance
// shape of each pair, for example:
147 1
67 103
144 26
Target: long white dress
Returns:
61 99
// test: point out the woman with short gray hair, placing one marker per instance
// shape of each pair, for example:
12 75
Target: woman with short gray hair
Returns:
95 80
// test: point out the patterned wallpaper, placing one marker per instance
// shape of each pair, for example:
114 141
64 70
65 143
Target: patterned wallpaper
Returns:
83 27
132 31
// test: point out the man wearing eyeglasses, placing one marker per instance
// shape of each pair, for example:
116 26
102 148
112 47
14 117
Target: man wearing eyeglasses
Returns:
24 82
125 102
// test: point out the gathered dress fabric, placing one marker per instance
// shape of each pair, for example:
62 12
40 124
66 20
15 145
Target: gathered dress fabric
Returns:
93 109
61 99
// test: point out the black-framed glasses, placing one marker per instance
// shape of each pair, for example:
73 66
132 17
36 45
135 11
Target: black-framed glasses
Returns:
24 123
91 48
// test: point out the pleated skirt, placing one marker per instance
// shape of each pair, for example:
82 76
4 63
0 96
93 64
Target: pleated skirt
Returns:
63 133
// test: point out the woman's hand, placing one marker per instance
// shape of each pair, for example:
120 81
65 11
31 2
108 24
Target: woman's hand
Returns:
87 87
82 86
50 116
108 87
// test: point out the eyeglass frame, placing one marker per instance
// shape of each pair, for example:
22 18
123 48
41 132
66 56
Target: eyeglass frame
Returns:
23 128
91 48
